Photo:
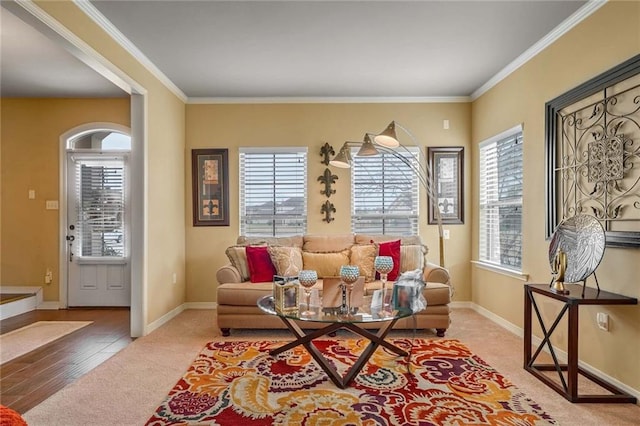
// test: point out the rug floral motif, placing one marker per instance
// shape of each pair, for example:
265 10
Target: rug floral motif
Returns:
239 383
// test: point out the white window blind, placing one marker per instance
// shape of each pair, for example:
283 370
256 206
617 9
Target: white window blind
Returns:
384 194
501 201
100 194
273 191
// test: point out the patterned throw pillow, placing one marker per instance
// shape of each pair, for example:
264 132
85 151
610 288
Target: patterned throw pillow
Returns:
238 257
364 256
287 260
325 264
412 257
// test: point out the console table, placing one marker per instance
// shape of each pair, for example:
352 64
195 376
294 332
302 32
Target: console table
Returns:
572 302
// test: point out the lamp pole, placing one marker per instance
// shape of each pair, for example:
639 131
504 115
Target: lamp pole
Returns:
387 142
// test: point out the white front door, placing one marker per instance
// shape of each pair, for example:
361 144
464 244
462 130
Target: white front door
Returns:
98 270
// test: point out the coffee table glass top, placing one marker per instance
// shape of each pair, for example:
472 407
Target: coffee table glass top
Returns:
364 314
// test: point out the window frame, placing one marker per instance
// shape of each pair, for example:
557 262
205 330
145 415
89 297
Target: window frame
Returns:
414 217
518 133
242 152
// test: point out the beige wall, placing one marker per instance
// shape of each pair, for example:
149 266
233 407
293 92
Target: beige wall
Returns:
602 41
165 199
311 125
31 130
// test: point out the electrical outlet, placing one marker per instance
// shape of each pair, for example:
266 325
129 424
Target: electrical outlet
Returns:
48 276
32 194
603 321
51 204
445 124
445 234
174 278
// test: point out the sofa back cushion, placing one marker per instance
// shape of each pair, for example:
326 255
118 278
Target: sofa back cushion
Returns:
293 241
327 243
325 264
404 240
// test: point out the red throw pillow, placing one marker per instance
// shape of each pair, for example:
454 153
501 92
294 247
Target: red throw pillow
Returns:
261 268
390 248
10 417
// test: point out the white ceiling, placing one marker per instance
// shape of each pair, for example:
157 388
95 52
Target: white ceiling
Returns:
35 66
230 49
293 49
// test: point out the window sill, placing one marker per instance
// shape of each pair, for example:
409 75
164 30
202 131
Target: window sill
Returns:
501 270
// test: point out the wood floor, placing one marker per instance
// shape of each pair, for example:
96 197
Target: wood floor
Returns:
30 379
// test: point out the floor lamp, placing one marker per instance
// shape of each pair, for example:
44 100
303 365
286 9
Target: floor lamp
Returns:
387 142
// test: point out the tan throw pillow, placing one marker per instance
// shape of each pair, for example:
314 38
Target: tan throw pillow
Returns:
238 257
325 264
364 256
412 257
287 260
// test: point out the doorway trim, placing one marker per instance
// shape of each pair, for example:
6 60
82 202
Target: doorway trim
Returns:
80 130
30 12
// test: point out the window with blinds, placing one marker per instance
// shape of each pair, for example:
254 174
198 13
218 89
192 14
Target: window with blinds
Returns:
501 201
273 191
384 194
100 194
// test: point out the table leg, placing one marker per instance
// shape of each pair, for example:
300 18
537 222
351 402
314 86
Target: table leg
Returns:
572 353
375 340
527 327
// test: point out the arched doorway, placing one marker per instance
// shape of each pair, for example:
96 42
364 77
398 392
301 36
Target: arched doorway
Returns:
96 218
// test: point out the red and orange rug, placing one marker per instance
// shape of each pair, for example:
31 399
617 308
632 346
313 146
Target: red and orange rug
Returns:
239 383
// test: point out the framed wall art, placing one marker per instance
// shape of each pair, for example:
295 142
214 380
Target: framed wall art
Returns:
446 165
592 151
210 175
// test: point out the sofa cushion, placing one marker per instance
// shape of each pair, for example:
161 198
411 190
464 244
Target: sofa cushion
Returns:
238 257
391 248
364 257
404 240
327 243
412 257
243 294
293 241
261 268
287 260
434 293
325 264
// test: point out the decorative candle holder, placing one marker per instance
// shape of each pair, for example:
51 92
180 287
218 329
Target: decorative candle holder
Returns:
349 275
384 265
307 279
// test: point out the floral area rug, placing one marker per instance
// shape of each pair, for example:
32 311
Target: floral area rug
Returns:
239 383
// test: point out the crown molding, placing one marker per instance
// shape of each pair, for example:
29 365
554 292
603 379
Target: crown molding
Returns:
578 16
92 12
330 100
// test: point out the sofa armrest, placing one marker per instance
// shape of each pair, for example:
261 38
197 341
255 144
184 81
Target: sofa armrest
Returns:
438 274
228 274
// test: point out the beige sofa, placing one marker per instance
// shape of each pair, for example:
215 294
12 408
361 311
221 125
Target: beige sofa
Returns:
237 296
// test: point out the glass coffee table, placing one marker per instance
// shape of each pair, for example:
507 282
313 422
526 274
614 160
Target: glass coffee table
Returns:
335 322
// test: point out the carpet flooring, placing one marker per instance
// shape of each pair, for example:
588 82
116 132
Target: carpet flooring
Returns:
23 340
128 388
441 382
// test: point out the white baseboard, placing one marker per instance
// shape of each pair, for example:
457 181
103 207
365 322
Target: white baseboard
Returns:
562 355
458 305
200 305
49 306
163 319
